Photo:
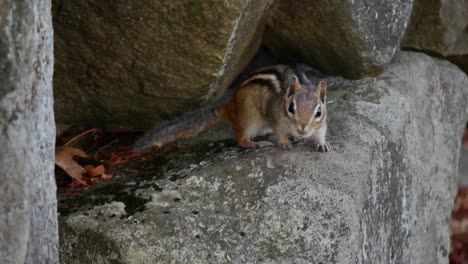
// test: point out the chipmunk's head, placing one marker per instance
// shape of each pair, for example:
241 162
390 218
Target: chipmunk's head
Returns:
306 107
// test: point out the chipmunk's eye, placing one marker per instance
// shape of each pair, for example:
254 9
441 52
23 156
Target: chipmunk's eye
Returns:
291 108
319 112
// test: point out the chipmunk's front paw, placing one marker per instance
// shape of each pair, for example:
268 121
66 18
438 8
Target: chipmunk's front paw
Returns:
286 145
325 147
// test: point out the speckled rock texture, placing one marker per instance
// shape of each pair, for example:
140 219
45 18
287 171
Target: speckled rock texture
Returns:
438 26
353 38
383 195
132 63
28 214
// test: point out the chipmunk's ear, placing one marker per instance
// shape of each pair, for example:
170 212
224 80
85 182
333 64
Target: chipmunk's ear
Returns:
294 86
322 90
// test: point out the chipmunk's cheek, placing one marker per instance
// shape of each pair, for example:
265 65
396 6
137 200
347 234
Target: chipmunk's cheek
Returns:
311 132
295 134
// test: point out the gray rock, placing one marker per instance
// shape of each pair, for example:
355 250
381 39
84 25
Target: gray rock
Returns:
132 63
350 38
438 26
28 218
383 195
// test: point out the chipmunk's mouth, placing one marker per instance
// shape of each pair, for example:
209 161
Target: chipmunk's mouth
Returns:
302 136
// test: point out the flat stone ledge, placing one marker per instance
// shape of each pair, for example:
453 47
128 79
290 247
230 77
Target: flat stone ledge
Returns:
383 195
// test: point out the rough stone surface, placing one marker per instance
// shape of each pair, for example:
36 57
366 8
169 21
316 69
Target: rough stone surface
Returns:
131 63
438 26
350 38
28 217
383 195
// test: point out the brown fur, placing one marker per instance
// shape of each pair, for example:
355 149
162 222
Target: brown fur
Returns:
245 109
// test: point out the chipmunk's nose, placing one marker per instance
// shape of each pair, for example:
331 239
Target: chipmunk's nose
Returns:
302 131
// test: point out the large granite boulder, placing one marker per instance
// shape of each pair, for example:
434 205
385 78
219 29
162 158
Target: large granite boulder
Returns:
350 38
383 195
28 214
438 26
131 63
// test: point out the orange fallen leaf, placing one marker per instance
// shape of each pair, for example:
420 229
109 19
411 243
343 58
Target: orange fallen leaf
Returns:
64 159
93 171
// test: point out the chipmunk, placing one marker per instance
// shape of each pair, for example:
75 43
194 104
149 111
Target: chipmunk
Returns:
272 99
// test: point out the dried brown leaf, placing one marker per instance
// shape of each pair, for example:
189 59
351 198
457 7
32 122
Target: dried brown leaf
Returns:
64 159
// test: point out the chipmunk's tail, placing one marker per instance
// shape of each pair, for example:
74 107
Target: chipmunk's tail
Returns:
188 125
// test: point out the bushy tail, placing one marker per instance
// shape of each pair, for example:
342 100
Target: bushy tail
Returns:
189 124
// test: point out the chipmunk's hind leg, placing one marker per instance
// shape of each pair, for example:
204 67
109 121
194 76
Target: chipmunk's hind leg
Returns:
246 119
243 137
